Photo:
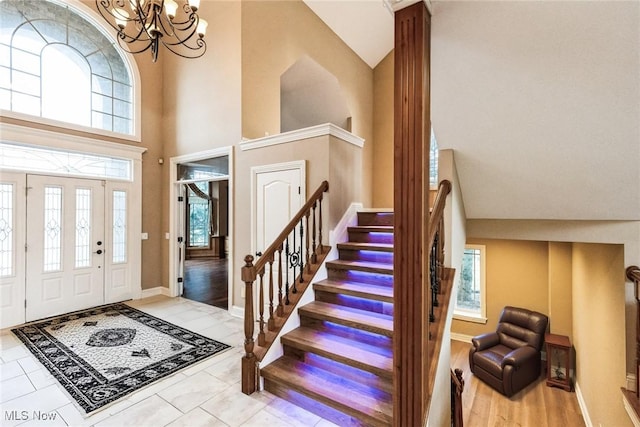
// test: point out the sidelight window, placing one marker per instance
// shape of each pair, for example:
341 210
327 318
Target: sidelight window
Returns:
6 229
471 300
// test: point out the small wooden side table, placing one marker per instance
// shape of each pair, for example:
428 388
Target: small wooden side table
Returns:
559 361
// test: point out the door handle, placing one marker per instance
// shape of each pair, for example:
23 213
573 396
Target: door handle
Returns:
99 252
258 253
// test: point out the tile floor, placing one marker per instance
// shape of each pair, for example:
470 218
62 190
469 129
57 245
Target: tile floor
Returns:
205 394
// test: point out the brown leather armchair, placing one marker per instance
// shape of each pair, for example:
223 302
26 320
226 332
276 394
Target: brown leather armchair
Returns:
509 359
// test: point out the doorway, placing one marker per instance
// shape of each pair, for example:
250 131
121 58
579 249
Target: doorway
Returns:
201 224
205 273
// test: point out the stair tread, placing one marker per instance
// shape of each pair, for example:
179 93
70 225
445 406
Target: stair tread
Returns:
348 396
383 293
372 228
381 247
344 350
361 319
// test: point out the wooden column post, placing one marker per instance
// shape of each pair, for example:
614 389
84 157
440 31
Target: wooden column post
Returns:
411 185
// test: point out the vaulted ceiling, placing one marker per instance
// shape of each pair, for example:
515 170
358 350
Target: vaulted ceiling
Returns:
540 101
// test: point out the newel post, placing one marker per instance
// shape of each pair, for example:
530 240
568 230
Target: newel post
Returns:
249 361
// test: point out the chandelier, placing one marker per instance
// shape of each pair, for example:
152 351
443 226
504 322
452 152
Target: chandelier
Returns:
145 24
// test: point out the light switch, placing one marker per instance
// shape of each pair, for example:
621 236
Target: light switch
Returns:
145 236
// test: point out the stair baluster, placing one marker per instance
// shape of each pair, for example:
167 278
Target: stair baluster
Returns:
308 256
261 307
286 275
271 323
313 245
280 309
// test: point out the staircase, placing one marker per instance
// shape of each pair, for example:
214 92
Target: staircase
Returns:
338 363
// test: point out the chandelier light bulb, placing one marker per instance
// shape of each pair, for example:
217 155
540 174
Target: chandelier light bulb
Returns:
194 4
201 29
122 16
170 8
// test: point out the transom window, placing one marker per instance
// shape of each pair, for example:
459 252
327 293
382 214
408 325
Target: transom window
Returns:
56 64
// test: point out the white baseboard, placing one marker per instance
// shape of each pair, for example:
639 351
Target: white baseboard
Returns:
631 412
237 311
158 290
583 406
461 337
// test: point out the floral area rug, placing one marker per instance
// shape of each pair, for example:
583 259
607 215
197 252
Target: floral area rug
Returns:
102 354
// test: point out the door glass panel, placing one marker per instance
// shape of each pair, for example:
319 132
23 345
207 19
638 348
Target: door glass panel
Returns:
199 216
83 227
119 227
52 228
6 230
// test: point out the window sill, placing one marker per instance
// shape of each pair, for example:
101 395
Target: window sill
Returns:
470 318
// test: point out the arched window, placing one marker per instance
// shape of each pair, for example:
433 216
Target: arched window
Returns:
56 64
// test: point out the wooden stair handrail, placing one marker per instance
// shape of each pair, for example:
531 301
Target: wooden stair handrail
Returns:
249 273
444 188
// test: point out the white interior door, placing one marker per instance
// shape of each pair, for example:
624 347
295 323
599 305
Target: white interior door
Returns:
65 245
12 255
279 193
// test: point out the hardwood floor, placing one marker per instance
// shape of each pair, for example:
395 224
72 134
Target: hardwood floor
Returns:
536 405
205 280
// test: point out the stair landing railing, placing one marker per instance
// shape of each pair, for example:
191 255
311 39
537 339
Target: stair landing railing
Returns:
436 245
293 257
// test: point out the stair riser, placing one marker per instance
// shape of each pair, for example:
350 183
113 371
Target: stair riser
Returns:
365 337
355 302
361 277
380 380
312 405
368 292
370 237
366 255
375 218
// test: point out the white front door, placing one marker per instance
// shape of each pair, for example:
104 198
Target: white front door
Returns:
65 245
279 194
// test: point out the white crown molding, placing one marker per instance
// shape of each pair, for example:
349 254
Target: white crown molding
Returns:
396 5
299 134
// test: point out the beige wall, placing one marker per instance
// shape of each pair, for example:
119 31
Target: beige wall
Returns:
383 133
275 34
516 274
560 281
201 98
599 330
